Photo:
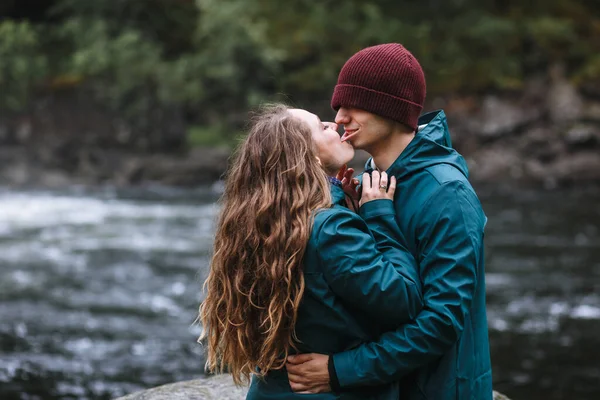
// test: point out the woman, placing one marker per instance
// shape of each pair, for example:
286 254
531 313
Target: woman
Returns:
293 269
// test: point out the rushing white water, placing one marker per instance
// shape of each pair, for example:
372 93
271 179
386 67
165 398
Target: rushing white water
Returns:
100 290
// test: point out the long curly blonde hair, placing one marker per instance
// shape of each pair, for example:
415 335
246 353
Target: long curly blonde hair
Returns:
255 284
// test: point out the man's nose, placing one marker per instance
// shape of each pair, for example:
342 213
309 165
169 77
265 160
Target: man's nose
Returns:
342 116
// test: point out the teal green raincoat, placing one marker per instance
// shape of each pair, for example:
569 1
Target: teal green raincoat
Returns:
358 285
444 353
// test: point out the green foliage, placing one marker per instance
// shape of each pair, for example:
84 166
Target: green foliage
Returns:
212 136
590 71
217 58
22 65
125 70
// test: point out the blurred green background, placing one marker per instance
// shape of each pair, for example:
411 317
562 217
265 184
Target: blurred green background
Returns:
215 59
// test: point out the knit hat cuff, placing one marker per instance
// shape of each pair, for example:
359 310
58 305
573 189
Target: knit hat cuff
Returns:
379 103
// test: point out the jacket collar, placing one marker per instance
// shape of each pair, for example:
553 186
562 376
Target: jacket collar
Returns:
430 146
337 195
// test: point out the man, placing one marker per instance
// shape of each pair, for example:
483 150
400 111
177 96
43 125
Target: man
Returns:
444 353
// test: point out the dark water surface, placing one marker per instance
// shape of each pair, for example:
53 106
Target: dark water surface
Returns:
99 290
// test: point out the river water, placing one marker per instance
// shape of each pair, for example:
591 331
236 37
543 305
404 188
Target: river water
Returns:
99 290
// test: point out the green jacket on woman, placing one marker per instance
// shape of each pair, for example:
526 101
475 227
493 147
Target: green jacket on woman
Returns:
358 285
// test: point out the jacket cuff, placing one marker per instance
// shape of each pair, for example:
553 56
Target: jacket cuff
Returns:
344 369
334 383
376 208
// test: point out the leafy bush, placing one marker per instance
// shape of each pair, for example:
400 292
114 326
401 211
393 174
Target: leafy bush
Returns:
217 58
22 65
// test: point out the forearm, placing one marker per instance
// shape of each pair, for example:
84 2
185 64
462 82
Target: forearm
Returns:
381 220
365 278
449 241
398 352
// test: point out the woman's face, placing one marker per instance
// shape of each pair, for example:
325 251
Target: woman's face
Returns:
332 152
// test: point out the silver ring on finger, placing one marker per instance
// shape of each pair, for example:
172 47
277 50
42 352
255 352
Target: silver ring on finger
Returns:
384 187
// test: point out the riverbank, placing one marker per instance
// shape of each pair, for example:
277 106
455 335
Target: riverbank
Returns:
22 166
218 387
546 135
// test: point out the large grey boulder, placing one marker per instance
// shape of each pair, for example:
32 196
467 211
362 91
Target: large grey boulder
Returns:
218 387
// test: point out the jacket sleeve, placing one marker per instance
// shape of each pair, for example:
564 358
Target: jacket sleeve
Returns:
381 221
450 238
358 273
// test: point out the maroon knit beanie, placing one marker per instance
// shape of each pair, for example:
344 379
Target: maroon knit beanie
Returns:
385 80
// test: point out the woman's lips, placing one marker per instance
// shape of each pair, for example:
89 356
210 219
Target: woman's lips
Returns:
348 133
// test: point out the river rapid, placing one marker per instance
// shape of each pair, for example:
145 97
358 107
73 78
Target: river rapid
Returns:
100 289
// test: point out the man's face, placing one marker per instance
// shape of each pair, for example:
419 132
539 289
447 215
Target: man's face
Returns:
362 129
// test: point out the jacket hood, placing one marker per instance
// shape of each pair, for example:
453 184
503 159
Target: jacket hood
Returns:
431 146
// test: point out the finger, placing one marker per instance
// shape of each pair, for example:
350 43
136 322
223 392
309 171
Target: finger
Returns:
300 358
383 181
341 172
392 188
297 387
292 369
366 181
298 378
375 178
316 388
297 369
348 174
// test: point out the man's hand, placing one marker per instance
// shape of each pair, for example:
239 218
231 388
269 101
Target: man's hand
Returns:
308 373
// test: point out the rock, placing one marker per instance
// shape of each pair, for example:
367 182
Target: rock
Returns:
495 164
74 116
583 135
218 387
23 131
17 174
591 112
541 143
500 396
201 166
500 117
576 167
545 134
563 101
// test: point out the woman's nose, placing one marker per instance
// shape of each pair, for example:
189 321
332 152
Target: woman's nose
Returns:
332 125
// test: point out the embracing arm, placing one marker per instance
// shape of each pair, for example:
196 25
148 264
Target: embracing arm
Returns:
451 238
385 285
376 274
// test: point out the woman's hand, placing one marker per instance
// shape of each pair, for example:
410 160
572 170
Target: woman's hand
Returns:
349 185
375 187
